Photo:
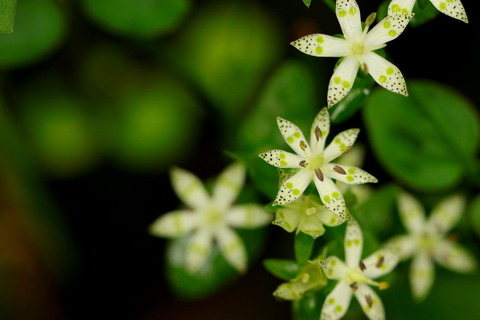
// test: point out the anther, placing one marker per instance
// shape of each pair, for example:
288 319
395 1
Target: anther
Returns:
303 145
380 262
303 163
319 174
369 300
354 286
339 170
362 266
318 133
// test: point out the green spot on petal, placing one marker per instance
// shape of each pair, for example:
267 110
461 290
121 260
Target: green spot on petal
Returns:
351 170
297 135
390 70
335 195
289 185
320 40
387 24
296 192
337 80
382 79
392 33
396 8
338 308
283 163
282 156
326 199
356 242
331 301
342 13
348 243
350 179
442 6
352 11
346 84
290 140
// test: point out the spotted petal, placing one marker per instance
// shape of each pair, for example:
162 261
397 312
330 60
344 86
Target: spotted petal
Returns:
452 8
385 73
322 45
337 302
228 185
293 187
331 196
334 268
387 30
370 301
293 136
340 144
411 213
319 131
198 250
248 216
380 263
174 224
422 273
454 257
330 219
189 188
400 6
348 15
232 248
348 174
446 214
353 243
287 218
282 159
342 80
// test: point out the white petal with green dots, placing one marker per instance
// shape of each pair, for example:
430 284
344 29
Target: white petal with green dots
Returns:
189 188
174 224
342 80
282 159
348 174
348 15
322 45
370 301
341 144
293 136
452 8
293 187
387 30
385 73
228 185
320 130
353 243
337 302
247 216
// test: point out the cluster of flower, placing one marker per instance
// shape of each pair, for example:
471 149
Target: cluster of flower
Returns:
212 218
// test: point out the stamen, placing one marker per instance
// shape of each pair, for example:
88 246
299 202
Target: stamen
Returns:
339 170
318 133
319 174
362 266
303 163
380 262
354 286
368 298
383 285
370 19
303 145
364 68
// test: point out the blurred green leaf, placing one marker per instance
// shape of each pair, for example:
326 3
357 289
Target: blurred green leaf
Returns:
290 94
39 29
308 308
424 12
7 15
428 140
226 50
215 274
142 18
283 269
303 247
307 3
474 210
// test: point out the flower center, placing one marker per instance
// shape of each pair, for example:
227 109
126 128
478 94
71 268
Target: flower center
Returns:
358 49
427 242
316 161
212 217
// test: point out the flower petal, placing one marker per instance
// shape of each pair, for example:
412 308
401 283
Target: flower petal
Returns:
340 144
400 6
228 185
380 262
334 268
446 214
452 8
248 216
370 301
330 219
293 136
282 159
342 80
353 243
337 302
232 248
322 45
454 257
311 225
189 188
385 73
331 197
174 224
387 30
287 218
198 250
319 131
422 273
348 174
348 15
293 187
404 245
411 213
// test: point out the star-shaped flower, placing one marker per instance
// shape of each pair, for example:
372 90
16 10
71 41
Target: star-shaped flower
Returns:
428 242
210 217
355 277
357 49
452 8
307 216
313 160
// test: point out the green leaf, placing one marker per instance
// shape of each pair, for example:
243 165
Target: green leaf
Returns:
39 29
308 308
427 140
307 3
290 94
283 269
424 12
144 19
7 15
215 274
474 210
303 247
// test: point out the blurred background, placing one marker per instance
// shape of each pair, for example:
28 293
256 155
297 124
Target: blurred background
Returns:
99 98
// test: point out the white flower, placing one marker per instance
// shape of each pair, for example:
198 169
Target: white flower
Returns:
452 8
307 216
313 160
357 49
210 218
355 276
428 242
